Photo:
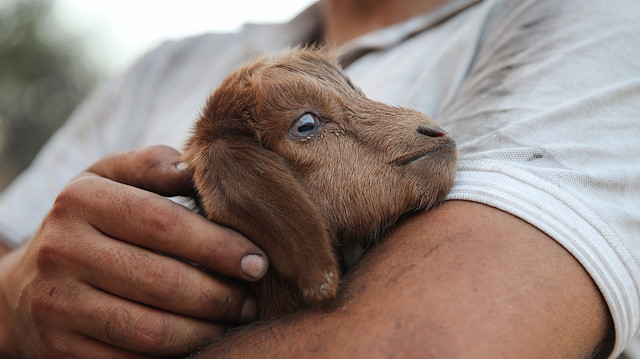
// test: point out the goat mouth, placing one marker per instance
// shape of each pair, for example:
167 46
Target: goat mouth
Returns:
446 148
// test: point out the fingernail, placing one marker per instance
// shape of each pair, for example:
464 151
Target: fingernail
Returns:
249 309
182 166
253 266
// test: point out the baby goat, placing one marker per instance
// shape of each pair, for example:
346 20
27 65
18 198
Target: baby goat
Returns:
291 154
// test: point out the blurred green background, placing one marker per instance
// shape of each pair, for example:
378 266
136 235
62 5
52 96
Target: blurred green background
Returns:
44 73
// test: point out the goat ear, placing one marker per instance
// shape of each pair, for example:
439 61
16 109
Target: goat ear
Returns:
253 190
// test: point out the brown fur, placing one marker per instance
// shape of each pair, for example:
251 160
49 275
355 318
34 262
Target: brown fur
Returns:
302 199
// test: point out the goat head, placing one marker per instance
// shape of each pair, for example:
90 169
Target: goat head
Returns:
291 154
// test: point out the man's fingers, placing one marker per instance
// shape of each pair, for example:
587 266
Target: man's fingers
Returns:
150 221
153 222
156 169
64 309
166 283
138 328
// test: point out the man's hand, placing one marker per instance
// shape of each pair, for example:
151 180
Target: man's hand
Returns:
93 281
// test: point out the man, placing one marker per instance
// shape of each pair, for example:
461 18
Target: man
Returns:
532 256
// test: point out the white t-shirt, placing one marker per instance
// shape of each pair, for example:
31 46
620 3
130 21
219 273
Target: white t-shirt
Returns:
542 97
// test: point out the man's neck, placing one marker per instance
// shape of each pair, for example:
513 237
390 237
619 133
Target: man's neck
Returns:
348 19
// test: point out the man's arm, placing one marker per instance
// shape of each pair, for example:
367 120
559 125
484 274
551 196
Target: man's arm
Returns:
462 281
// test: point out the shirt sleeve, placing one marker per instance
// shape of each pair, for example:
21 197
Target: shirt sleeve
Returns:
113 118
548 126
154 102
25 202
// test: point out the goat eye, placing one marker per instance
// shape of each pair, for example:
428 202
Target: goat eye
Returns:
306 126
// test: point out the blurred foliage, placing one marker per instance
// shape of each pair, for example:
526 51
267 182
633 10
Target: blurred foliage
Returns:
43 75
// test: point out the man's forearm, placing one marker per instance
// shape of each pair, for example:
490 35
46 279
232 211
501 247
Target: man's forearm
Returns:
464 280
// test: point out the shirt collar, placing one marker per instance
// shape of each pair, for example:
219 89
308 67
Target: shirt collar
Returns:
274 37
393 35
306 26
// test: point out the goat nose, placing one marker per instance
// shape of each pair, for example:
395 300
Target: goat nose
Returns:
432 132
